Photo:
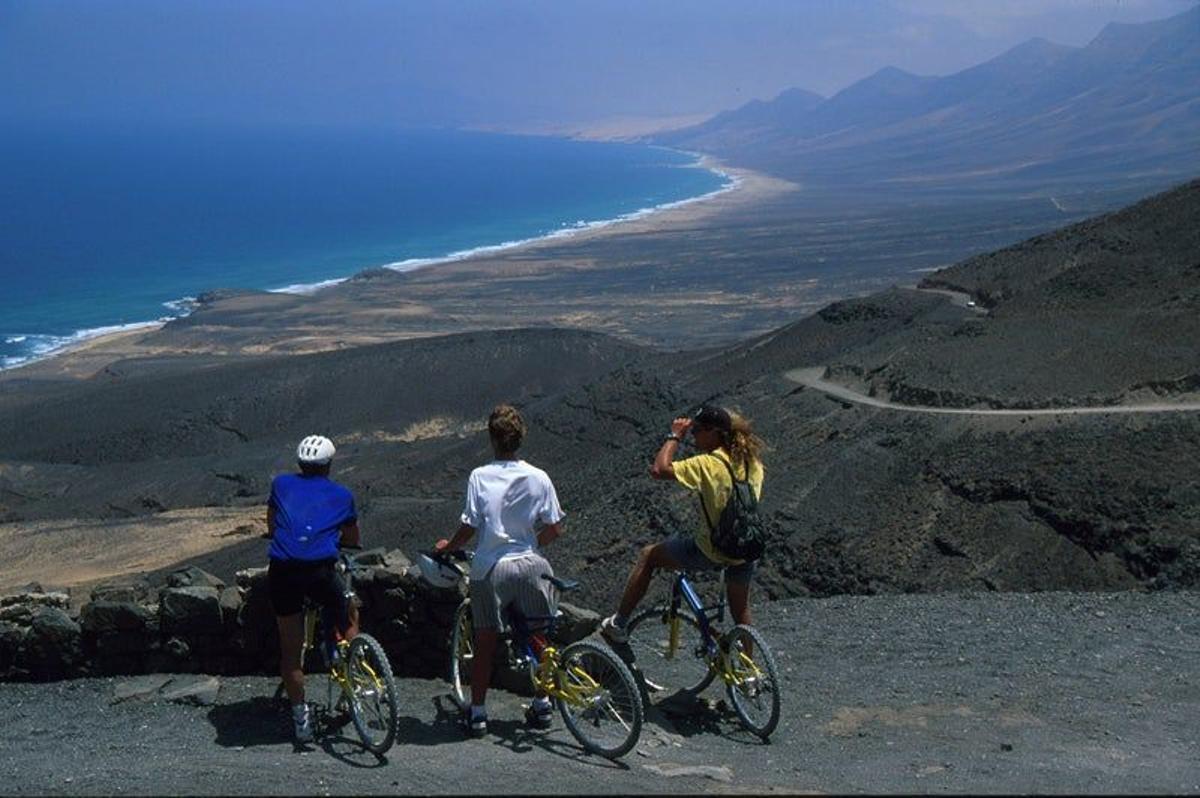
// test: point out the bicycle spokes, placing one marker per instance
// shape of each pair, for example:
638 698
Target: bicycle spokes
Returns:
598 699
751 681
371 690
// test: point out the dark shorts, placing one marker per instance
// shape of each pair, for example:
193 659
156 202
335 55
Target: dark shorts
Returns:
683 550
290 581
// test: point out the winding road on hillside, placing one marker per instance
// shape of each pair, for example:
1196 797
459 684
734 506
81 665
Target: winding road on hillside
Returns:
814 378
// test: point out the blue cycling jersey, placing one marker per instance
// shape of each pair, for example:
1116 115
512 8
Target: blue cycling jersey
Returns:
309 511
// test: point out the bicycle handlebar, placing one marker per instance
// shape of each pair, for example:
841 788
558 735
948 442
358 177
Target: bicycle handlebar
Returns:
451 559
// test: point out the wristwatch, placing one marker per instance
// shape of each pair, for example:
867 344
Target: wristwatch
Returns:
672 437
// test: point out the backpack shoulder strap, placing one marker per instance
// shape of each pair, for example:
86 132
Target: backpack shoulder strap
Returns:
729 466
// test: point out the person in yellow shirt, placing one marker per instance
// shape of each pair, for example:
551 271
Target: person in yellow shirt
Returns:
722 438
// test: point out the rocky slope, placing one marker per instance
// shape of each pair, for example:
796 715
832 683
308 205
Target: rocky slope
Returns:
859 500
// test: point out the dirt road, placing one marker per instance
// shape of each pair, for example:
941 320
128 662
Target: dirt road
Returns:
815 378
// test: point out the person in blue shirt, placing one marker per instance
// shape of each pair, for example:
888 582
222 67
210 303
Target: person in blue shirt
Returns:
309 516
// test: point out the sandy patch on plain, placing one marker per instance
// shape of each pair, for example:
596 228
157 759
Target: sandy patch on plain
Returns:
435 427
77 551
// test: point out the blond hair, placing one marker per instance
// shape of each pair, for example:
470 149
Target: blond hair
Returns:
506 428
745 448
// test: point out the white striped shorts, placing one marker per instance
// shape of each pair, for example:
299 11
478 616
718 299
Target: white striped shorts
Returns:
515 581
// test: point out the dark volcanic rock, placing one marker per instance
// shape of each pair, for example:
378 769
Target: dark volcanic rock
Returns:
53 648
190 611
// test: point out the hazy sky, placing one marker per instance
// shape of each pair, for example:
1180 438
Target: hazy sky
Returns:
498 62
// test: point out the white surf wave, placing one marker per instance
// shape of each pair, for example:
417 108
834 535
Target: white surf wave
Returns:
40 347
567 230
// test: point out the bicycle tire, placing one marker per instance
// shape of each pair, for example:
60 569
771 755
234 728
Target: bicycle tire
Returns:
615 702
687 669
373 704
756 704
462 652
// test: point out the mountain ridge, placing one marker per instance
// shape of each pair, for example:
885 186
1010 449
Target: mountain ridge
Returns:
1124 107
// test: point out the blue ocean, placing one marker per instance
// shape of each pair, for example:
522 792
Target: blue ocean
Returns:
103 229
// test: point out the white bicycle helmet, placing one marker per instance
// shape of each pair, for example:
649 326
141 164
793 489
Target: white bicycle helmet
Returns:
315 450
436 573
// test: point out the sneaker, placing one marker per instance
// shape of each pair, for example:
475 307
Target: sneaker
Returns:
302 723
613 633
538 717
474 726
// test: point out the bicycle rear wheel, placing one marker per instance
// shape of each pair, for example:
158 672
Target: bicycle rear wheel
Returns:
373 689
462 653
601 706
682 666
754 690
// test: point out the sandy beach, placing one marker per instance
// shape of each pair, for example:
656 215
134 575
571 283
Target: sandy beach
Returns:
350 314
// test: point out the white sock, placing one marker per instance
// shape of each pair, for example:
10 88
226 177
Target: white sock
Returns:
541 704
478 712
299 710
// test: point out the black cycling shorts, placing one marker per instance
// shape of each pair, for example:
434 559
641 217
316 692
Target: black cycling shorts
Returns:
290 581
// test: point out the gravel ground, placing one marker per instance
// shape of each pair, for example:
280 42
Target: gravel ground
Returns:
981 693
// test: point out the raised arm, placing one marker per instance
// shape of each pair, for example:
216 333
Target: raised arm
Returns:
662 467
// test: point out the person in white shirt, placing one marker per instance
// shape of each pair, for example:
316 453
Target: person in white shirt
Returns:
514 509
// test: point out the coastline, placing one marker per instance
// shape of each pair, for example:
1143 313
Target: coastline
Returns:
737 180
744 187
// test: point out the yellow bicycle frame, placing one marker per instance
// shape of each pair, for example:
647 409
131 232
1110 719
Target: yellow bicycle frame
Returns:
339 671
731 672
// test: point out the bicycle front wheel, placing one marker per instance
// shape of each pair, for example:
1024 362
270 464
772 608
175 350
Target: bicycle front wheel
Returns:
462 653
373 693
599 699
752 682
666 664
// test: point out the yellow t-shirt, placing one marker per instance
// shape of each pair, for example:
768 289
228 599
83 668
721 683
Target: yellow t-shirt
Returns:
708 475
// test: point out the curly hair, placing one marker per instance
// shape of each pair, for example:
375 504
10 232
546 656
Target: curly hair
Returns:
744 446
506 428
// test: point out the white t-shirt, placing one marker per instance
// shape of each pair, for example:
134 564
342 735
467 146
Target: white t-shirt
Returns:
507 502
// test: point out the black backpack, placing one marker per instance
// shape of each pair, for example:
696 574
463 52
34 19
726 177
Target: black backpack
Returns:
739 532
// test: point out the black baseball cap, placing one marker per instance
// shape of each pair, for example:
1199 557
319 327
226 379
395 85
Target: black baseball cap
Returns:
713 416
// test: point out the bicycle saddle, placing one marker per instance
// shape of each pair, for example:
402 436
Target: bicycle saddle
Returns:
564 585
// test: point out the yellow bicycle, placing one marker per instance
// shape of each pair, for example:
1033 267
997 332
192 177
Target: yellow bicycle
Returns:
359 674
677 645
594 690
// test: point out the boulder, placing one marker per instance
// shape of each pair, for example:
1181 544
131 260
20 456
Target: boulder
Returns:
101 618
12 637
124 590
371 557
574 623
53 648
191 576
393 577
251 578
190 611
36 598
230 599
389 604
398 560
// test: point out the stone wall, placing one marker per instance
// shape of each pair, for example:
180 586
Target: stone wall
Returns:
195 623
